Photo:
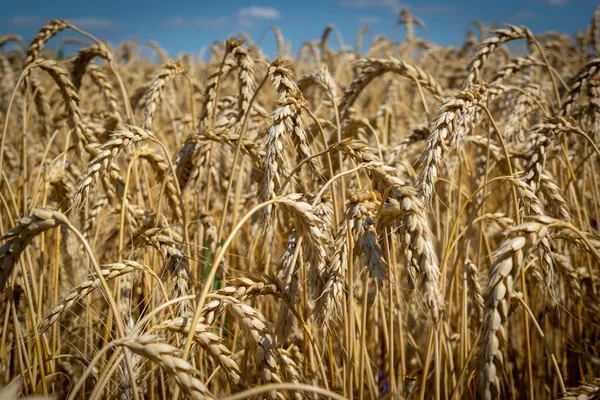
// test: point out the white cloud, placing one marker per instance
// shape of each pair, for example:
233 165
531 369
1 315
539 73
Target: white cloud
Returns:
368 20
92 23
198 22
392 5
259 13
558 2
21 20
175 22
244 18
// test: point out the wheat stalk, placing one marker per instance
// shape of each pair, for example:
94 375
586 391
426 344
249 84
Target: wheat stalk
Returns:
152 96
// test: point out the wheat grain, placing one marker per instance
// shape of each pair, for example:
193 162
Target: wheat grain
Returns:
163 355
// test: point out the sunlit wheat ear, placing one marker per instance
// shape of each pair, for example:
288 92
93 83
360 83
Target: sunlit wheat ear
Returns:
9 38
372 68
282 78
358 150
253 323
239 289
279 40
361 214
152 96
584 391
309 50
517 122
84 60
8 79
273 164
300 137
264 345
60 186
94 210
209 341
210 242
553 193
515 66
416 135
578 85
384 176
317 273
381 46
38 43
404 207
247 84
245 289
534 207
21 235
175 263
475 291
321 78
81 291
249 147
290 368
164 355
569 274
316 239
162 54
544 136
289 275
70 99
288 123
189 159
210 92
409 20
41 104
448 128
509 257
163 171
310 227
108 152
329 303
488 46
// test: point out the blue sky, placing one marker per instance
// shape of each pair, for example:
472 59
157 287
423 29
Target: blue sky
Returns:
187 26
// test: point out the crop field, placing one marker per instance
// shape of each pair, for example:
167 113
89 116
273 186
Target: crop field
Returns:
387 220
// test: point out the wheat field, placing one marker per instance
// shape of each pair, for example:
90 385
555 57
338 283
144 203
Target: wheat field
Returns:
390 220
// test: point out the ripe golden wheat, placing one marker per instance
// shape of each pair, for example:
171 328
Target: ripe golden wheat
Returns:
397 220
